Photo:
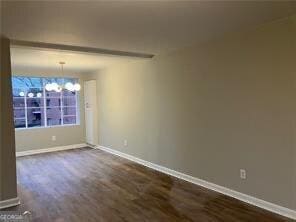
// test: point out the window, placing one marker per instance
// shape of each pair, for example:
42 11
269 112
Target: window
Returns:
34 106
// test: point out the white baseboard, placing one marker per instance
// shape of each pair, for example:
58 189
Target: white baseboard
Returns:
226 191
9 203
52 149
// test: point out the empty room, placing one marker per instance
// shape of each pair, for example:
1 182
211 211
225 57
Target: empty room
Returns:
158 111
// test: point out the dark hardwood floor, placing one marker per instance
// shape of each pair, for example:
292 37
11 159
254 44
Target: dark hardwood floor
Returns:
92 185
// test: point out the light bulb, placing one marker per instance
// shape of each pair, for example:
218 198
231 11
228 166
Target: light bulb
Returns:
58 89
54 86
48 87
69 86
31 95
39 95
77 87
22 94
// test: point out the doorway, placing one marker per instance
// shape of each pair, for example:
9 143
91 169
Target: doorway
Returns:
90 105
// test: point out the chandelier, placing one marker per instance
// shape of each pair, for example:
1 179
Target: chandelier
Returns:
58 88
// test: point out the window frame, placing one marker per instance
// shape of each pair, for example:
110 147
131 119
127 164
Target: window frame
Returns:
44 105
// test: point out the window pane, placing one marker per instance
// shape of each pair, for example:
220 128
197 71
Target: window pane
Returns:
19 113
35 117
53 102
69 101
29 101
53 116
18 97
23 82
70 120
20 123
69 111
34 93
18 92
59 81
68 93
19 102
34 102
53 94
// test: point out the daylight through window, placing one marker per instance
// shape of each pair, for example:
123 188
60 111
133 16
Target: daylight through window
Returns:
34 106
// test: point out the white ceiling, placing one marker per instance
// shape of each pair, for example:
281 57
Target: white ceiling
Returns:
139 26
152 27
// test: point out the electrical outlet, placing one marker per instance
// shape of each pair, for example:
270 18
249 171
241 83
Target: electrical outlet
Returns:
125 143
53 138
243 174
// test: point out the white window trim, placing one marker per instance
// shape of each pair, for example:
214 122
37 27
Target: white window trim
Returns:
47 127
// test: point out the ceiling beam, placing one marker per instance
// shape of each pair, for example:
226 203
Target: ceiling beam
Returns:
82 49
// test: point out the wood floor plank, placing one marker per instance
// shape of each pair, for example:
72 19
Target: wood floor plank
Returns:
92 185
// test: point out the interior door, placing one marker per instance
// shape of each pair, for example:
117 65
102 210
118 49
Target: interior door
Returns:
90 98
